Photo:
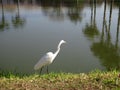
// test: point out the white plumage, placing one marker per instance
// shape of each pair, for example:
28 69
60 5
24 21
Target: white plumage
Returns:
45 60
48 57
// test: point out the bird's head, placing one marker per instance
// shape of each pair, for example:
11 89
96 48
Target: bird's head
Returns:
63 41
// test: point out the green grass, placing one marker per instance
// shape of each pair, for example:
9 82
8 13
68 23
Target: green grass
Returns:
95 80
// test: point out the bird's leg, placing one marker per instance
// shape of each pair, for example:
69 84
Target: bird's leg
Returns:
47 70
41 70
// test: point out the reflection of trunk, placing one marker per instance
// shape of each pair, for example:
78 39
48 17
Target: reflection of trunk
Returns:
33 2
2 8
8 1
3 23
117 34
18 3
105 22
104 18
94 11
17 20
91 11
110 15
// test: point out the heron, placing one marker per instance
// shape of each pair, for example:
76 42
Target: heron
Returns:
48 58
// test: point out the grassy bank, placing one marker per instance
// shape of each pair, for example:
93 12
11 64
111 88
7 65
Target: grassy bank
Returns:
96 80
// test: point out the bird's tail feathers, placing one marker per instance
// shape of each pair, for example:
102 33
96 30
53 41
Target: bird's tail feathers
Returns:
36 67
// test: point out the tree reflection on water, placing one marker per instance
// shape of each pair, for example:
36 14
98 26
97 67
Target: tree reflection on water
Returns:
17 20
91 29
108 52
3 22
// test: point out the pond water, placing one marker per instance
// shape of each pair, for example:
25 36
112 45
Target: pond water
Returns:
29 30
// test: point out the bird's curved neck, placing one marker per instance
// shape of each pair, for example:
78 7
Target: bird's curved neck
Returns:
58 48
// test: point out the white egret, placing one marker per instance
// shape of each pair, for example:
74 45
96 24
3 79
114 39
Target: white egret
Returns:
48 58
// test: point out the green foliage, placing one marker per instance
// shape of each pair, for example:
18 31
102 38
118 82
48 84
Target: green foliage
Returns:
11 74
95 80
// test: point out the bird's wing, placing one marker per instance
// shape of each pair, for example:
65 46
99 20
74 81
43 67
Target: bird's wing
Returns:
45 60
